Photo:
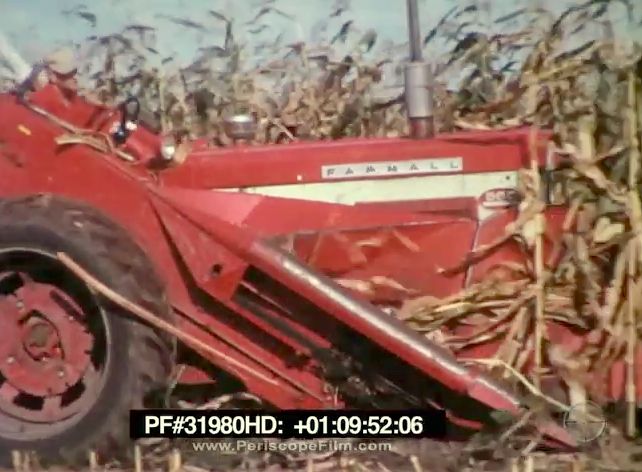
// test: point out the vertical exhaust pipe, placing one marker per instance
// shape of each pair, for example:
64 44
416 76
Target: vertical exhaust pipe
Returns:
418 81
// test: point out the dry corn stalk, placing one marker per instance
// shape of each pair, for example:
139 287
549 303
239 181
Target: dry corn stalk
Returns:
593 282
631 136
538 262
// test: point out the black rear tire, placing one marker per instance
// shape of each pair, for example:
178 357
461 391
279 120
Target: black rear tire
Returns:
141 359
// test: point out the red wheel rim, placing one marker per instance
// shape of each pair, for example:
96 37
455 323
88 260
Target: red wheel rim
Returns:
52 346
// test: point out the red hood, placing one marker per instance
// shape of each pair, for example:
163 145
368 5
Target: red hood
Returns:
296 163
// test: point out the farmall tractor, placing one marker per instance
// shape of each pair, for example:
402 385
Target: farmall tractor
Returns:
117 263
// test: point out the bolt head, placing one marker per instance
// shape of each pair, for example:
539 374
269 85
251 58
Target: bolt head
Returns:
61 373
11 360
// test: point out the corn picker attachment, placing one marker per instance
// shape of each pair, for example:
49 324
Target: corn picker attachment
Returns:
278 268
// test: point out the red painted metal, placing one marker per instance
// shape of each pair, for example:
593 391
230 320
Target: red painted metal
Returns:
301 162
255 276
45 351
47 346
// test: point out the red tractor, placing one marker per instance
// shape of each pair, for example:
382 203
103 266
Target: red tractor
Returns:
238 253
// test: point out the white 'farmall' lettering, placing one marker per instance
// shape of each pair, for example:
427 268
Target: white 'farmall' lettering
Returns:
387 168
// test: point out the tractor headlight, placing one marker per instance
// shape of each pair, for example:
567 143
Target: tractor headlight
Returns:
168 148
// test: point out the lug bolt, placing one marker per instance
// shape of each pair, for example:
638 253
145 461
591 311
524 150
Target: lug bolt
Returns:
11 360
61 373
20 304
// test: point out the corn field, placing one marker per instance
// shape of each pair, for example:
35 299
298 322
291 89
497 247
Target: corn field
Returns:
589 94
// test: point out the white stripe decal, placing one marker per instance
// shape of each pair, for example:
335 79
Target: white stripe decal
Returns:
424 187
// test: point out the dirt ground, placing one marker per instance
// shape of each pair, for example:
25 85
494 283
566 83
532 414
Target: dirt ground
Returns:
604 455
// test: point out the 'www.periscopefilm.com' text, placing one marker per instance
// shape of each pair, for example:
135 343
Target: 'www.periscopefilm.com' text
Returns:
236 446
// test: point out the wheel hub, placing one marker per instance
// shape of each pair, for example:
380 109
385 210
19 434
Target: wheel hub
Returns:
41 340
44 347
